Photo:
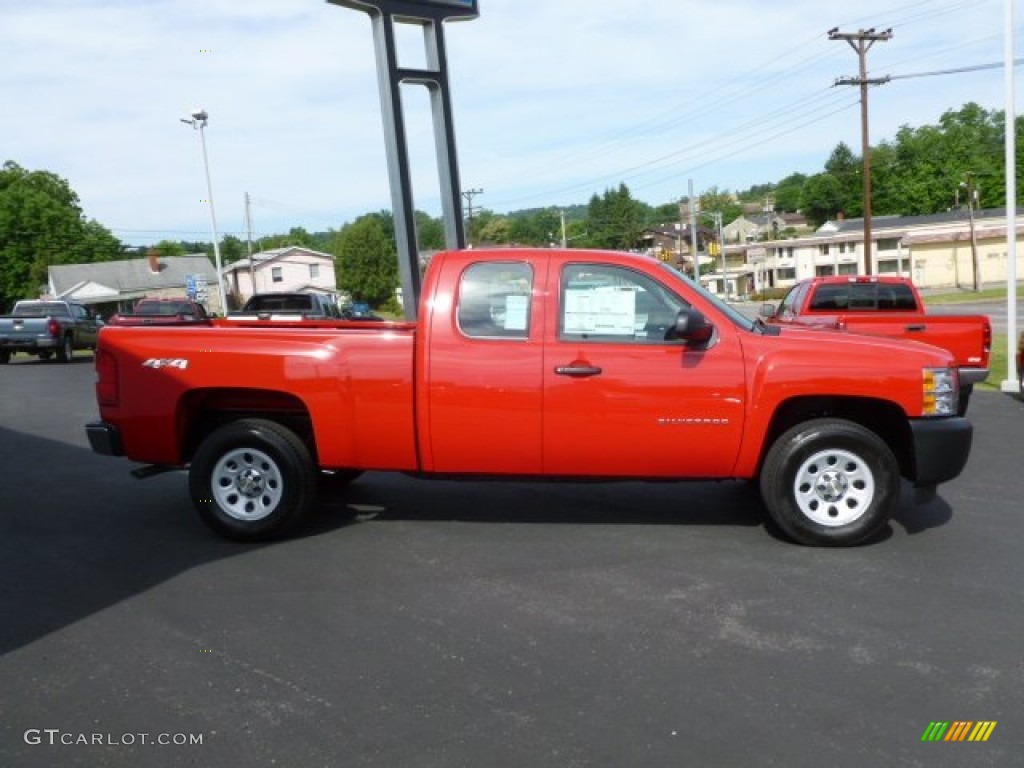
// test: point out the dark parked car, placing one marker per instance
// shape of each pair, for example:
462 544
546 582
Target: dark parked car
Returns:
314 306
45 328
358 311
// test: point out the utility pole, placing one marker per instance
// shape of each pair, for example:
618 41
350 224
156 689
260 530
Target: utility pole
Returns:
469 194
717 215
694 205
972 198
861 41
565 241
248 240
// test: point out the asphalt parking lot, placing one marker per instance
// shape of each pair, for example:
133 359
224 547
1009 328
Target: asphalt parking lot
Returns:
493 624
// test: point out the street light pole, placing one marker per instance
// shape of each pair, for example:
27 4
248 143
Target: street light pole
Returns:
198 122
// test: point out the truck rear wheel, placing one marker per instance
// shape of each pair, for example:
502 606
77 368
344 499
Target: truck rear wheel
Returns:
252 480
830 482
5 357
65 350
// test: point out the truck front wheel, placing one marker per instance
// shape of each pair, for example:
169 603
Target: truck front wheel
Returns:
830 482
252 480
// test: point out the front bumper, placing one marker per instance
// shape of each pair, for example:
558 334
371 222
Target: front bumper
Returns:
941 448
104 438
973 375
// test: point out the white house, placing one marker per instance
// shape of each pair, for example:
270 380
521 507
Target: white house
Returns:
292 268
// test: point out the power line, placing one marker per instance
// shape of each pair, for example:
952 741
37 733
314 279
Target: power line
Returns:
956 71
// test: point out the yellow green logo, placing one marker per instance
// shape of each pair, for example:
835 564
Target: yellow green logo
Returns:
959 730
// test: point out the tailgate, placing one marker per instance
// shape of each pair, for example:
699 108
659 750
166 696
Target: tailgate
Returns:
968 339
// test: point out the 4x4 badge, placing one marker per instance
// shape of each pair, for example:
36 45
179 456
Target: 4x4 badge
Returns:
166 362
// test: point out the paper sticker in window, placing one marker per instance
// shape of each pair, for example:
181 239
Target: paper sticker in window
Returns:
605 311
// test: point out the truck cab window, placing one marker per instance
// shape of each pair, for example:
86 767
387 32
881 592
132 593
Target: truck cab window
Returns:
494 300
604 303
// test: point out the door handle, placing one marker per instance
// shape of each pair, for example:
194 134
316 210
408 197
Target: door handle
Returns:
577 370
919 327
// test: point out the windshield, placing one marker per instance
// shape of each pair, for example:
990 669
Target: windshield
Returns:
736 317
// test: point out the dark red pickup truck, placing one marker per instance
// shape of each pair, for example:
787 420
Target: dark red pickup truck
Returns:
535 363
167 311
888 306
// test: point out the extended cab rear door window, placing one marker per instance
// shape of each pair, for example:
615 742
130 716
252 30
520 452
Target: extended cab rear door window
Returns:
494 300
605 303
829 298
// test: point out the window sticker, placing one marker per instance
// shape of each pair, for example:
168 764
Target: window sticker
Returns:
607 311
516 312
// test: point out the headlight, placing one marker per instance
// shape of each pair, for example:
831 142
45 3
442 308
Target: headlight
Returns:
940 391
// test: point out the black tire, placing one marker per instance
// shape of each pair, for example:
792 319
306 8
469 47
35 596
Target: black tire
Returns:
964 399
5 357
252 480
65 350
830 482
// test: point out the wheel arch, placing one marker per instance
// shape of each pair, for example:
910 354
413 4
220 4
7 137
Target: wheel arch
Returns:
203 411
885 419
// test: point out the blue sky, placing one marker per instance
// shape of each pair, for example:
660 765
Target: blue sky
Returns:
553 102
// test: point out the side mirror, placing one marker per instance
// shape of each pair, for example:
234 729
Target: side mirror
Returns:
692 327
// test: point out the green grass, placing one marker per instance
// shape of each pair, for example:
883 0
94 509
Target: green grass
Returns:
964 296
997 364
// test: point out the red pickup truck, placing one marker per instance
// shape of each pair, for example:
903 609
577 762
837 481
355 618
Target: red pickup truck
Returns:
535 363
888 306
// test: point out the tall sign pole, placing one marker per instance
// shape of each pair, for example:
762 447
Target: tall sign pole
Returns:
431 15
1012 382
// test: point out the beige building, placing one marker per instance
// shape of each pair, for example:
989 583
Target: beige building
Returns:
935 251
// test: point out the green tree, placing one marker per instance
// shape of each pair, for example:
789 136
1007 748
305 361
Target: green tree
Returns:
295 236
821 198
845 168
787 193
721 201
166 248
42 225
491 228
232 249
615 220
367 262
664 213
429 232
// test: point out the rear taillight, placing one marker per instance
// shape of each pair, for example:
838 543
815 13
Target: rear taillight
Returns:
53 328
987 337
107 389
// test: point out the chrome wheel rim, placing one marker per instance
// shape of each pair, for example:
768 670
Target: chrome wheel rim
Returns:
247 484
834 487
